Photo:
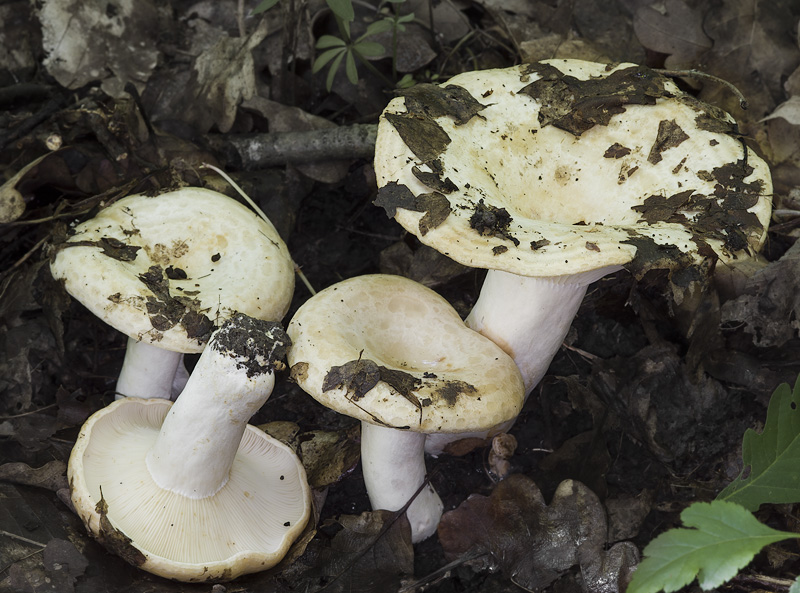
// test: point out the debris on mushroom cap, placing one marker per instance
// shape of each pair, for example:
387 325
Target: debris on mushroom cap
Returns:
565 166
167 269
255 343
389 351
247 526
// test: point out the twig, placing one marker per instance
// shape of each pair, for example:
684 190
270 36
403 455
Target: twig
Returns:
281 148
698 74
22 539
28 413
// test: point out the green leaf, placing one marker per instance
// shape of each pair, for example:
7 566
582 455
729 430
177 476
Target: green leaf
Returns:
327 41
771 459
326 57
378 27
332 72
343 9
264 6
369 48
350 68
725 539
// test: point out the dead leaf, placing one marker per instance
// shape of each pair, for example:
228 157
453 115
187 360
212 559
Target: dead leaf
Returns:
12 204
535 544
90 40
673 28
224 75
372 552
788 110
51 476
424 265
329 455
770 307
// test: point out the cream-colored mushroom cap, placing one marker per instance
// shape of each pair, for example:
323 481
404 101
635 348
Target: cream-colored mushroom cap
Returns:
168 269
247 526
565 166
389 351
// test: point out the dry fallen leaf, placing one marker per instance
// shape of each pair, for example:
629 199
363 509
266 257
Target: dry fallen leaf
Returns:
675 29
534 544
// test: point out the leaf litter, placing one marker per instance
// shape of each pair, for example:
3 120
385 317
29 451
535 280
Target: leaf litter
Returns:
658 396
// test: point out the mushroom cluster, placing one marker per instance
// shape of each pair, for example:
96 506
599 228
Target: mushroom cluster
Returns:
166 270
553 174
190 491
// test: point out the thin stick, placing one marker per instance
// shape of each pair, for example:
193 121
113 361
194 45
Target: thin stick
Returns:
717 79
28 413
22 539
260 212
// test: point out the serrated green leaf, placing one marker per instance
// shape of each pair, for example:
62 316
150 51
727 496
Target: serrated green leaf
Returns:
326 57
724 539
771 459
343 9
327 41
264 6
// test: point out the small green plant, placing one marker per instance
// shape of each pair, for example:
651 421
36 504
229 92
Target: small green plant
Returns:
724 535
336 50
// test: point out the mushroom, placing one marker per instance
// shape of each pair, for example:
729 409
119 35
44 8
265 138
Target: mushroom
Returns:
395 355
166 270
190 491
553 174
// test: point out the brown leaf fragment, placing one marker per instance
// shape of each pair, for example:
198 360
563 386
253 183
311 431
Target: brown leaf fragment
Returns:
113 539
660 209
676 30
432 100
435 205
769 309
435 181
328 456
652 256
402 382
450 391
539 244
577 105
669 135
426 139
52 475
616 151
535 544
356 376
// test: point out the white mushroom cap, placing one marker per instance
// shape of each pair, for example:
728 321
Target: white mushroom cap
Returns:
566 166
168 269
190 491
389 351
394 354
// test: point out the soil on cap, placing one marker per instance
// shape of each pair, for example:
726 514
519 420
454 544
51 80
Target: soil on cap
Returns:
255 343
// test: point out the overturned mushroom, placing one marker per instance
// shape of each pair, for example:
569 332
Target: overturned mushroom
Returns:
190 491
395 355
166 270
554 174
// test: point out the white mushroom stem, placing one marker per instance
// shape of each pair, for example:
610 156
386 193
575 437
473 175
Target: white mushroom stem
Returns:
202 431
147 371
528 317
393 462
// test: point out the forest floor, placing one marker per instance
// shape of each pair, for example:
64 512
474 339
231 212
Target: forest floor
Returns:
644 406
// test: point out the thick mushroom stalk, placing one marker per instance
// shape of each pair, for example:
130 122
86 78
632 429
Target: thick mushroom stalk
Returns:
147 371
202 431
393 462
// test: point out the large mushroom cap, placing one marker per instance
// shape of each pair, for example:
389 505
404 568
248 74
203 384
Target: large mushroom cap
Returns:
247 526
389 351
168 269
565 166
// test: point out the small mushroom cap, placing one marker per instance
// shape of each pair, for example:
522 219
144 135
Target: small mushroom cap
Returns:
168 269
246 527
566 166
389 351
